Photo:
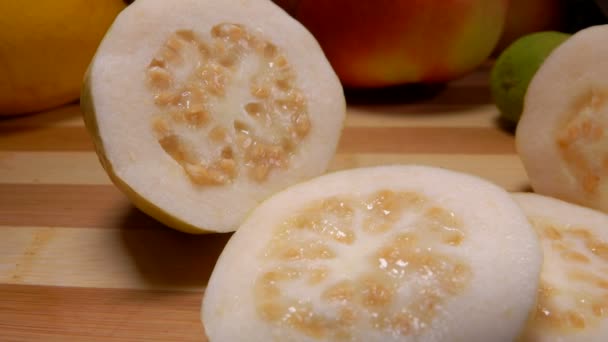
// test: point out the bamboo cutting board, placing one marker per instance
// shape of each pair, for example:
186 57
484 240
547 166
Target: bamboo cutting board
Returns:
79 263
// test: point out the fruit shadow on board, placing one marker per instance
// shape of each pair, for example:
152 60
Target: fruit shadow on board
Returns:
469 91
400 94
505 125
63 113
44 131
165 257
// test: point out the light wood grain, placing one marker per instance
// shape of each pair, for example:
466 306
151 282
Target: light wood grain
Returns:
110 258
28 167
505 170
353 139
46 313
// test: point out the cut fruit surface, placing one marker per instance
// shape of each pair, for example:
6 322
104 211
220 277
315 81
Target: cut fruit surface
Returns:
394 253
202 109
573 294
562 137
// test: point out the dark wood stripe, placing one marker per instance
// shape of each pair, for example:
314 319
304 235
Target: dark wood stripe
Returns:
470 140
41 138
47 313
96 206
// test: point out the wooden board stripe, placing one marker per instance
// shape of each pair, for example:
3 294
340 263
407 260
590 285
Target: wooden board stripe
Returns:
99 204
434 113
471 140
505 170
112 258
83 167
53 167
46 313
69 206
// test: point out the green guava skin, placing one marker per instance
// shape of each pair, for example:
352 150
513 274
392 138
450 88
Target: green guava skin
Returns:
515 68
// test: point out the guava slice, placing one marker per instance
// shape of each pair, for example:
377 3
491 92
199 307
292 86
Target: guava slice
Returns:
561 136
573 295
392 253
200 109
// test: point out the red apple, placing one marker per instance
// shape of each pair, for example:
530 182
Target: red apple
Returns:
528 16
389 42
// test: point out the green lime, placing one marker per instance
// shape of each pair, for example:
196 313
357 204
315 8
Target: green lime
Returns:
516 66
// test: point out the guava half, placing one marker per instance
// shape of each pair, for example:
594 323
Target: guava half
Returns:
573 294
200 109
392 253
562 137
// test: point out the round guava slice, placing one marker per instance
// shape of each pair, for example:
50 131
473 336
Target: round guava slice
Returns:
573 293
200 109
561 136
392 253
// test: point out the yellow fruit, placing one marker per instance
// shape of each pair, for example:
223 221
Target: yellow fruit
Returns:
45 48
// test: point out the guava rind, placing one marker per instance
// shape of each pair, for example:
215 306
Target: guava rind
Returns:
88 112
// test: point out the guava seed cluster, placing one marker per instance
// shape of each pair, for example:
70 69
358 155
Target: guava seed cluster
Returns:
583 261
227 105
583 143
304 253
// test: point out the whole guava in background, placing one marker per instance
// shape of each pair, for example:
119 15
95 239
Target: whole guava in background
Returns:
515 68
